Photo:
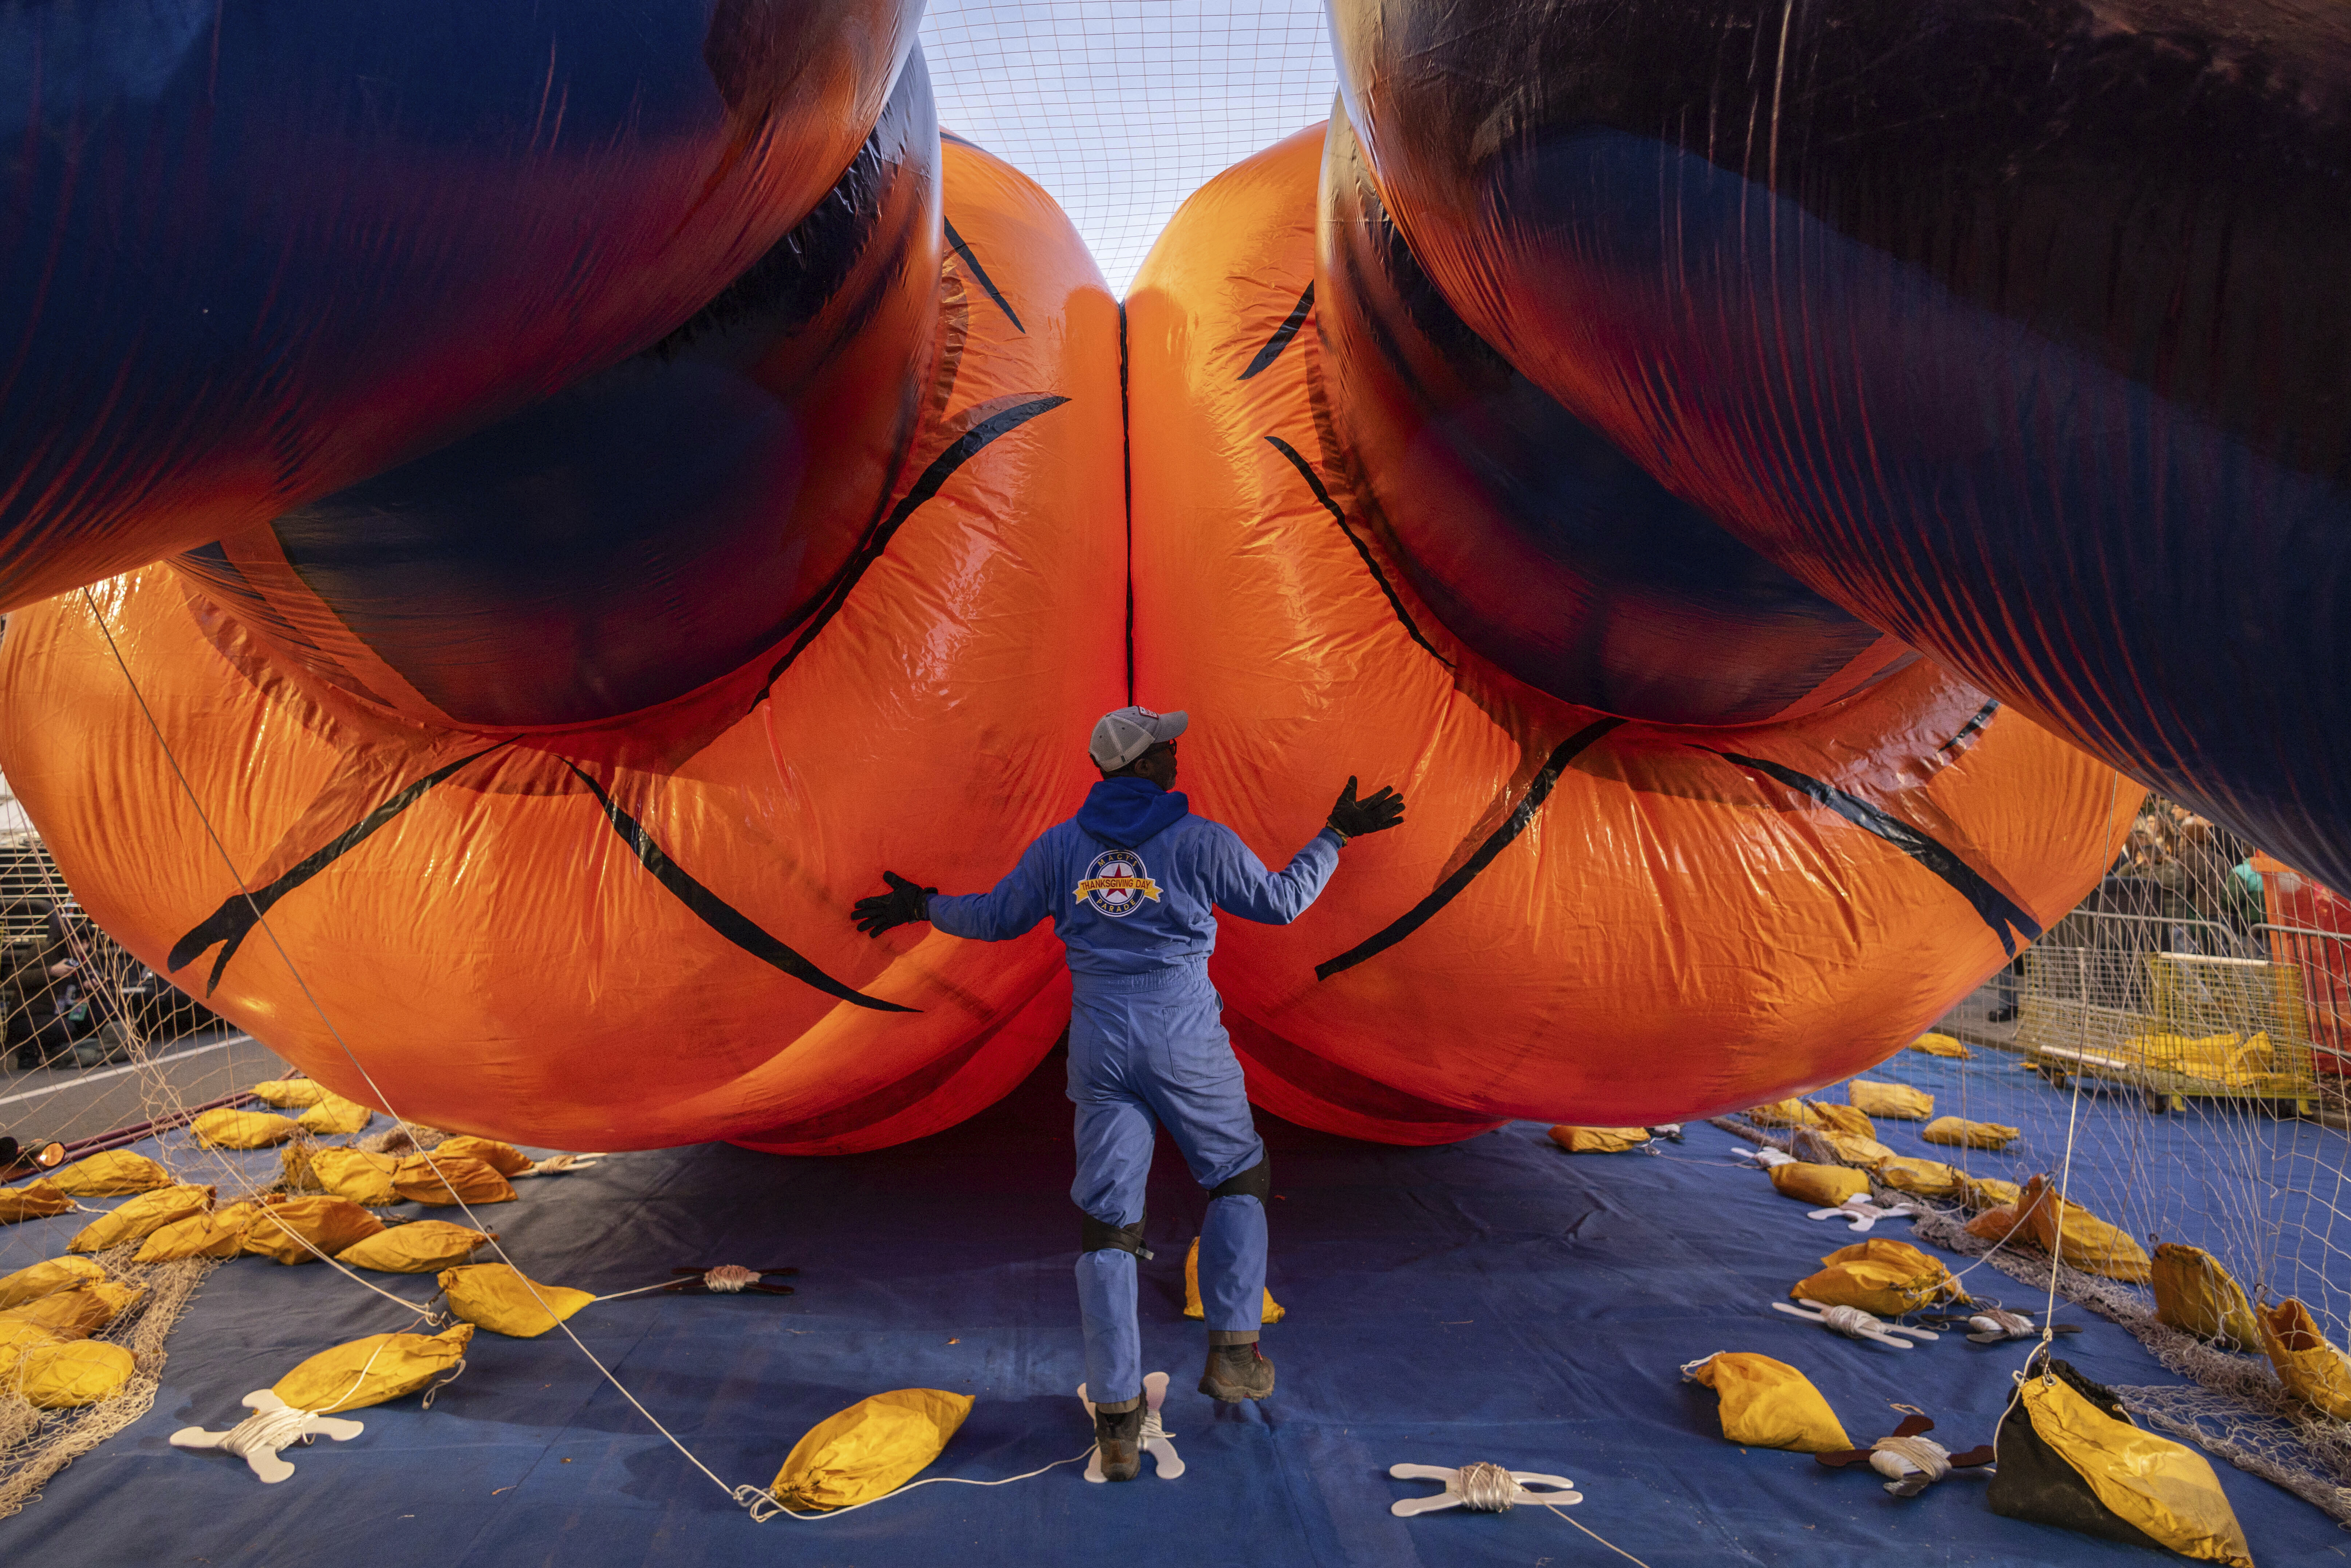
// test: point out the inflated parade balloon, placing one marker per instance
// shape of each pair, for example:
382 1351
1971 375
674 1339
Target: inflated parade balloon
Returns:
591 484
554 756
2013 329
1640 880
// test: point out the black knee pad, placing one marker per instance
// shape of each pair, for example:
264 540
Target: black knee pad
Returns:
1094 1236
1256 1182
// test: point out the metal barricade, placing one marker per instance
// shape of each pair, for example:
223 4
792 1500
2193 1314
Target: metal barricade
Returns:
2181 1008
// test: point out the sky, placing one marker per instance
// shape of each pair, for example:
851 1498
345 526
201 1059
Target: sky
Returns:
1122 108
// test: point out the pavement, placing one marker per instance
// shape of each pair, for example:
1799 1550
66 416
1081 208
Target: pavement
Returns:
69 1103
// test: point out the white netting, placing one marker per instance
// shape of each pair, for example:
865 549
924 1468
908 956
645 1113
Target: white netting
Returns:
1122 108
95 1043
2175 1051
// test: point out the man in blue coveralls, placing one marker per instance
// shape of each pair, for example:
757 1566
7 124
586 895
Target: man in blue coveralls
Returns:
1133 883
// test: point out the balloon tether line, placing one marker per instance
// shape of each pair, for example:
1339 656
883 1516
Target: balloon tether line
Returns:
262 920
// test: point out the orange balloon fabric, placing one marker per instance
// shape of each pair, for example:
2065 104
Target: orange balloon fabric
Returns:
1584 918
635 933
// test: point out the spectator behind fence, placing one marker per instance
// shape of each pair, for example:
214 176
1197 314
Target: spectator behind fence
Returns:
54 997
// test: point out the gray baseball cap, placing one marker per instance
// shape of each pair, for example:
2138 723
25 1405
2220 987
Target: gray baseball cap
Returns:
1124 734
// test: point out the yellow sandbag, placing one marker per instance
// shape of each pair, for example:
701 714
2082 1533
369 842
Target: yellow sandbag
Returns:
355 1174
1273 1309
140 1217
500 1299
870 1449
1897 1100
328 1224
67 1375
17 1337
417 1247
1599 1139
447 1181
1998 1224
335 1116
46 1280
219 1234
294 1166
1925 1178
1830 1145
2088 1243
1941 1045
1959 1133
1844 1118
1822 1186
66 1315
2151 1482
2306 1364
1783 1113
1879 1275
117 1173
2194 1294
229 1128
1989 1192
372 1370
34 1201
1768 1404
502 1158
79 1312
289 1093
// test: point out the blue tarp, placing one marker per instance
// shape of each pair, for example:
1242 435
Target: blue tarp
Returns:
1494 1299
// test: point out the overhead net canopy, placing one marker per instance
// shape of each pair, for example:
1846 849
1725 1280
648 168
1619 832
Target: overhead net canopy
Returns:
1122 110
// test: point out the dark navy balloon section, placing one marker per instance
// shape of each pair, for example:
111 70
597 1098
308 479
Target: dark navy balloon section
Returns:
1534 537
2015 329
251 254
652 527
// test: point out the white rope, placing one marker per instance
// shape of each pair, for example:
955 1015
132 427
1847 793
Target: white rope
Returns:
2001 1324
1598 1536
726 1280
2072 1117
1154 1429
1486 1488
261 919
2045 1348
764 1505
1923 1453
267 1431
368 1366
1853 1322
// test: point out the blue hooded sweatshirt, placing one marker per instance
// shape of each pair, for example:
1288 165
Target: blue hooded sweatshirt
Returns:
1132 884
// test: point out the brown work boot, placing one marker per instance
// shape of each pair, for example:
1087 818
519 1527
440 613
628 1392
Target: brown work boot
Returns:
1120 1438
1236 1372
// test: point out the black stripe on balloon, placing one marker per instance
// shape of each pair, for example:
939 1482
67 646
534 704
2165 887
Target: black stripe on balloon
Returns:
1126 499
1314 482
964 447
962 247
1501 839
1997 909
1282 334
1973 726
234 921
961 141
717 912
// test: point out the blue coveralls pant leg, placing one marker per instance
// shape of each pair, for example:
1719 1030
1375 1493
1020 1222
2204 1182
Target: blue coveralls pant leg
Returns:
1140 1060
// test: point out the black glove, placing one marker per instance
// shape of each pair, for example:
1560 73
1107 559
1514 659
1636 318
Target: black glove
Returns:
904 904
1351 819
